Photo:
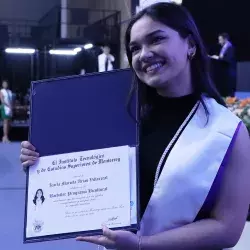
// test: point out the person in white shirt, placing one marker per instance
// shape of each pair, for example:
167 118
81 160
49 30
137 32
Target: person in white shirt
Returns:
6 98
105 60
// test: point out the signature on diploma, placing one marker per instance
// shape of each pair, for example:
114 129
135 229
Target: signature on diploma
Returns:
113 218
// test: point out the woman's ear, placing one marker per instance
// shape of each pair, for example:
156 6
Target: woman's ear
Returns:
191 47
191 42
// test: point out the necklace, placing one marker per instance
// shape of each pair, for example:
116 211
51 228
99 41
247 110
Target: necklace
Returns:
176 136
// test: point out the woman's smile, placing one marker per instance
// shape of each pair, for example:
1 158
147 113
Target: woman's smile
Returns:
153 68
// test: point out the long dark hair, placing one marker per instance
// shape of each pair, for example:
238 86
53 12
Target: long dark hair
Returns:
179 19
42 197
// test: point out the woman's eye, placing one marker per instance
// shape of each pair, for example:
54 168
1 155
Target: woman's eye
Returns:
157 39
134 49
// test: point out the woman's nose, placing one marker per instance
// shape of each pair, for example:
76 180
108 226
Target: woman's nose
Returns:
146 53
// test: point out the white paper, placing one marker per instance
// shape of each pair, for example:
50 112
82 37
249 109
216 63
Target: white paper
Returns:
133 178
81 192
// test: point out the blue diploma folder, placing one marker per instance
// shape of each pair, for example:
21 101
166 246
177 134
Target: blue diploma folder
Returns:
79 113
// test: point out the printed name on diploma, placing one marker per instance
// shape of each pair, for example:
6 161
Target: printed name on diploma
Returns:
79 181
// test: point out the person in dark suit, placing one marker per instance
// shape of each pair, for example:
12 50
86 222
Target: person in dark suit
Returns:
227 57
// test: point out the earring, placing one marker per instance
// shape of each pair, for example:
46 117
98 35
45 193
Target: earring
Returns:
192 53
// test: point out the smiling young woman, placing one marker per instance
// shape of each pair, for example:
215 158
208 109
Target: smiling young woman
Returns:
193 152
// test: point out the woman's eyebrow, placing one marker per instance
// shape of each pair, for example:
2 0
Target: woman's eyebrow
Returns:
147 36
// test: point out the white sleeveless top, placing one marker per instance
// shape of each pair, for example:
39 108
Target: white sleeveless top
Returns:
7 96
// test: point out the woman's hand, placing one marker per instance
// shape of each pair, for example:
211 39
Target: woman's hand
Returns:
28 156
122 240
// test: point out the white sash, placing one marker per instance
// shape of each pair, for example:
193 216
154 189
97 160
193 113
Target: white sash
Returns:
190 170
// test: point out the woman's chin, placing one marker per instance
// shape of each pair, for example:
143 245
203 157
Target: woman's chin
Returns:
155 82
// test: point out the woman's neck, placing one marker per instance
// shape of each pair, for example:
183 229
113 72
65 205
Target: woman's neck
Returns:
175 92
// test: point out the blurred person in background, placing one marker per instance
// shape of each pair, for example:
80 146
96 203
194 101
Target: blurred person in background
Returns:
83 72
6 97
105 60
227 49
227 55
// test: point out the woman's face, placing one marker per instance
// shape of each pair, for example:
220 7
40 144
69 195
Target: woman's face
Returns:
39 194
159 53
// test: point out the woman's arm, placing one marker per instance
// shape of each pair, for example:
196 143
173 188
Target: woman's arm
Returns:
1 98
224 228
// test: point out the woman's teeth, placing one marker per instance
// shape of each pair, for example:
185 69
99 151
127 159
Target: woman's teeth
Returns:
154 67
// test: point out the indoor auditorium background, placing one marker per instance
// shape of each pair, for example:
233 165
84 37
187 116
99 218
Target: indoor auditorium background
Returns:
53 38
